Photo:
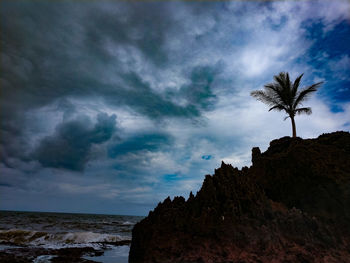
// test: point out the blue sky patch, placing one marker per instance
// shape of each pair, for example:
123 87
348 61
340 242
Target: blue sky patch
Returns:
206 157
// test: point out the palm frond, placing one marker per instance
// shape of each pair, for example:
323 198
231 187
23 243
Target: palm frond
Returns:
304 94
287 82
278 107
284 88
306 110
278 92
296 85
271 86
281 79
264 97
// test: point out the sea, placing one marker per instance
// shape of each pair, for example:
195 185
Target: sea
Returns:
40 230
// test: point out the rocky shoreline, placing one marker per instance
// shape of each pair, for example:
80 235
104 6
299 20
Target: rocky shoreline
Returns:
291 205
62 255
26 254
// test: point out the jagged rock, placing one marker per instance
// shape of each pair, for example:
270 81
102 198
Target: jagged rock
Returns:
312 175
256 153
291 205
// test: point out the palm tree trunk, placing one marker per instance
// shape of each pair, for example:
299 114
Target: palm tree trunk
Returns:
293 127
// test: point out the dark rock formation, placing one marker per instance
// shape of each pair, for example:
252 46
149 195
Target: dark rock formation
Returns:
291 205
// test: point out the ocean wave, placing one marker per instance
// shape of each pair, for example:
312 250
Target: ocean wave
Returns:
127 223
60 239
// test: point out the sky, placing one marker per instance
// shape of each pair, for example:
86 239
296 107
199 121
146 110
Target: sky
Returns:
111 106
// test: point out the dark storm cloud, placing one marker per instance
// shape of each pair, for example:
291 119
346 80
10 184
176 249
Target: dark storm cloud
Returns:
144 142
5 185
70 146
199 93
142 98
58 50
148 24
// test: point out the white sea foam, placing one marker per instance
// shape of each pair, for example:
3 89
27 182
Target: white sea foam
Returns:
118 254
127 223
43 259
61 239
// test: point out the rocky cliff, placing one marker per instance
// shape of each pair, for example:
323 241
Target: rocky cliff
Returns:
291 205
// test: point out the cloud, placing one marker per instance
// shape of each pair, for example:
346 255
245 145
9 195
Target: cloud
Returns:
70 146
341 67
144 142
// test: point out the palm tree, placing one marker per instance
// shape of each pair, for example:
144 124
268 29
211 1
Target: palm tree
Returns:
284 95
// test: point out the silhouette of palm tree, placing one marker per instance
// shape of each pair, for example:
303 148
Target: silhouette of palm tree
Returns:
284 95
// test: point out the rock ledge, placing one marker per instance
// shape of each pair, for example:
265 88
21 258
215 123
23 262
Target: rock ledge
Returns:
291 205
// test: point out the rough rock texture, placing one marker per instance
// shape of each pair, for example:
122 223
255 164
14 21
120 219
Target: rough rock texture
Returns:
291 205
